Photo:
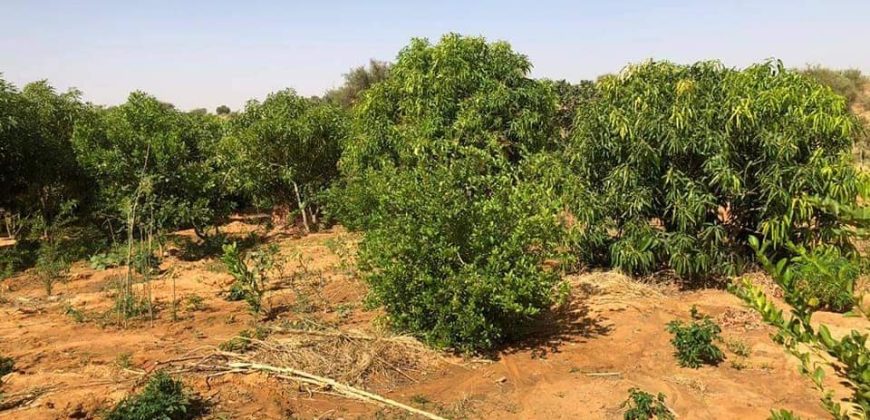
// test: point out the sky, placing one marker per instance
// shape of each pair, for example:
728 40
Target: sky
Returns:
205 54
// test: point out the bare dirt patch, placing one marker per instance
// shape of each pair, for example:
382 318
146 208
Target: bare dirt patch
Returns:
72 361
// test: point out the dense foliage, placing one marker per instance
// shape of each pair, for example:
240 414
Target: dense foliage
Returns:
435 173
849 83
41 183
695 342
163 398
284 151
152 162
690 160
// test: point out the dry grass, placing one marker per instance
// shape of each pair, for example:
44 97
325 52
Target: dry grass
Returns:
349 357
607 287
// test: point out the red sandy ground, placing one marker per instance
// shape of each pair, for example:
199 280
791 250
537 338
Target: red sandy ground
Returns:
579 364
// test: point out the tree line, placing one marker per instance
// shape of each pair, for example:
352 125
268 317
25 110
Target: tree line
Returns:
475 185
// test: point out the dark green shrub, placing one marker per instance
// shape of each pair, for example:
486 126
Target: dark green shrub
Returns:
163 398
820 278
38 169
439 175
642 405
18 257
689 160
7 364
148 157
284 151
695 342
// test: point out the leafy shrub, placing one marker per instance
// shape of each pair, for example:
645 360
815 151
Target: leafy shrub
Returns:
251 274
821 278
853 353
688 160
163 398
642 405
38 169
695 341
104 260
149 157
824 278
18 257
284 151
849 83
455 232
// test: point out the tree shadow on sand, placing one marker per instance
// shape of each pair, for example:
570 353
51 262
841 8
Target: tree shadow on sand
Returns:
570 323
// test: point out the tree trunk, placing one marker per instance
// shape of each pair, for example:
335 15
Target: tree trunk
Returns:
301 208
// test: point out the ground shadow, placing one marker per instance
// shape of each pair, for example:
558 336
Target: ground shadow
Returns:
570 323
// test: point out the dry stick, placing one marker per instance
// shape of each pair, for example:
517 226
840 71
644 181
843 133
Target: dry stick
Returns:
341 388
131 219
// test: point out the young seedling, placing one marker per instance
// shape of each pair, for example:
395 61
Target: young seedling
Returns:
642 405
695 342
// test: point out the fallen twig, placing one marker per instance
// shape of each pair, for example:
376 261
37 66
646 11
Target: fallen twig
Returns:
340 388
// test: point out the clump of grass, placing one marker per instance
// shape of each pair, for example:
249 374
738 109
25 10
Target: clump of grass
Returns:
695 341
76 314
124 360
642 405
738 347
195 302
163 398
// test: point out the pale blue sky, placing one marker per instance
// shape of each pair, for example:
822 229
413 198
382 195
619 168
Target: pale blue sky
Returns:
204 54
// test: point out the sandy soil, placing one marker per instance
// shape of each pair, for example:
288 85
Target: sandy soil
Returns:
579 364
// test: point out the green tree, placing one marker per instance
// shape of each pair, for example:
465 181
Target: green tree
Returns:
284 151
38 170
222 110
437 174
691 160
146 150
357 81
849 82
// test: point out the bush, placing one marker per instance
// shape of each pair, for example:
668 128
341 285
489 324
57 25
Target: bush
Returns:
824 278
849 83
695 342
819 278
163 398
356 82
38 169
284 151
689 160
251 274
642 405
7 364
437 175
149 157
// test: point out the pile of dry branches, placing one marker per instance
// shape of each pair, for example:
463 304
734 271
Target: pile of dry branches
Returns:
324 361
